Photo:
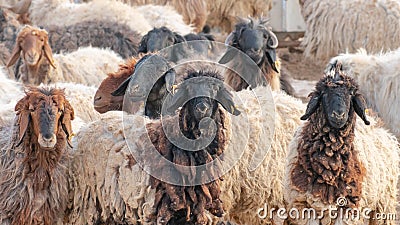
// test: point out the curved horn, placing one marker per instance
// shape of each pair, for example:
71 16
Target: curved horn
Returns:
229 39
273 38
20 7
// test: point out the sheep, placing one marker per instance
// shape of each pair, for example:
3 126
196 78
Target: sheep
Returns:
187 47
122 188
34 165
193 11
58 12
334 161
223 13
257 41
333 27
86 65
379 79
105 34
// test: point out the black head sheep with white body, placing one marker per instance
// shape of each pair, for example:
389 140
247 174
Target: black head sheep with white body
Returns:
256 40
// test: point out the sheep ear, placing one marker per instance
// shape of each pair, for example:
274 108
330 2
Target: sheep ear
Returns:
48 53
312 106
67 116
360 107
143 44
228 56
272 60
225 99
24 117
173 102
122 88
170 80
178 38
15 54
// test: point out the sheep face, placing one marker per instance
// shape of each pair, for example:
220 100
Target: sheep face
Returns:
103 100
204 93
338 96
159 38
33 43
45 111
255 40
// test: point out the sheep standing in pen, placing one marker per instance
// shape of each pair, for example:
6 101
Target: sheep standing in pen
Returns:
333 157
257 41
34 164
86 65
379 79
64 13
333 27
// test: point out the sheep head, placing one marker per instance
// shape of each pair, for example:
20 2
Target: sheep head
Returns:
33 43
44 111
338 96
204 92
104 101
159 38
255 40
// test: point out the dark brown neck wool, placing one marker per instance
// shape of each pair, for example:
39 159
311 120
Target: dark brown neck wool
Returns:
187 204
327 165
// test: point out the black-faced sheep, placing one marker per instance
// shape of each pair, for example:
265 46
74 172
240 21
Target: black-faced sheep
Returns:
165 203
151 81
333 157
333 27
34 164
257 41
379 79
86 65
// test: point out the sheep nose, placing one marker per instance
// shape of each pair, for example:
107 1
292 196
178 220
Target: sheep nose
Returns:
202 107
48 138
97 98
338 115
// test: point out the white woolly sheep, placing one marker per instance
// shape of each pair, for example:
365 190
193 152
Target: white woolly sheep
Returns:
335 162
86 65
113 181
224 13
59 12
193 11
332 27
379 79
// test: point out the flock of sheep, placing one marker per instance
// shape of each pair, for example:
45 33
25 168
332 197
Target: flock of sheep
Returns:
84 84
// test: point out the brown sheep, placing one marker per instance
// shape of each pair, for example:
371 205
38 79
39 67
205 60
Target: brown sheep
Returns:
33 181
103 100
87 65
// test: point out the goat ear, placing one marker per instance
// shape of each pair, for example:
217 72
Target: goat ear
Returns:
14 55
228 56
360 107
122 88
67 116
143 44
48 53
170 80
225 99
312 106
178 38
24 117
